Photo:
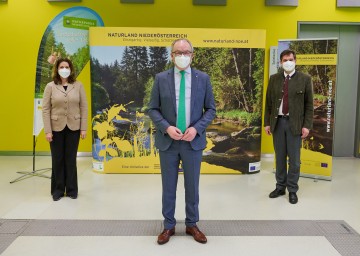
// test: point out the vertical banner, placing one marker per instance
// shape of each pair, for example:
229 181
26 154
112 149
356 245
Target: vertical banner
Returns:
66 36
318 58
124 62
274 61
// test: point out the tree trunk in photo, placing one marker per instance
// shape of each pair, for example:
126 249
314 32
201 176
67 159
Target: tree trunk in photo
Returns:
242 92
318 77
249 76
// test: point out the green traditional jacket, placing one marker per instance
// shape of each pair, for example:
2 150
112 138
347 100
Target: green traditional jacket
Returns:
301 107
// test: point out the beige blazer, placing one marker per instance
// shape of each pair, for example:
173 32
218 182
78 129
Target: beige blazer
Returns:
61 108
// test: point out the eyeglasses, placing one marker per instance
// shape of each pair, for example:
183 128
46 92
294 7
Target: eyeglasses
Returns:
178 53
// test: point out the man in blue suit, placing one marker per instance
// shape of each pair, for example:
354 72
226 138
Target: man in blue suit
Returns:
181 107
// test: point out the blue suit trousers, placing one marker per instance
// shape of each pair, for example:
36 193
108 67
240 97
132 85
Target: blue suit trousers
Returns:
191 162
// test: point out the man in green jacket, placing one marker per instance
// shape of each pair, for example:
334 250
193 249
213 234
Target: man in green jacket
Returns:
289 117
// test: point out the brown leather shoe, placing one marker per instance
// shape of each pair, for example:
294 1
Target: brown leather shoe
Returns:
197 234
164 237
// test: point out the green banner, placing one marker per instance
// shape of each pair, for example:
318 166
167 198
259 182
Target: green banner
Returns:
66 35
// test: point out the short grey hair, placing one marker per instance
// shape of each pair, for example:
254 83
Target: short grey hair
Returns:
181 39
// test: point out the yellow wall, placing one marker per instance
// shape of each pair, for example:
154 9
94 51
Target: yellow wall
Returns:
22 24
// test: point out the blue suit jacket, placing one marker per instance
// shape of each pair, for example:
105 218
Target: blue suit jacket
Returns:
162 107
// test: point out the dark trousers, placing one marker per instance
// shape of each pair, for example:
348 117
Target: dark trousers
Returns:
64 171
286 145
191 162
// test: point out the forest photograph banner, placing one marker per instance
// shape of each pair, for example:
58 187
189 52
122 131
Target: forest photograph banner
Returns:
318 58
124 62
66 36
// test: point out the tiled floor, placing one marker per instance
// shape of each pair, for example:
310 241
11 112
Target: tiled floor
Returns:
138 197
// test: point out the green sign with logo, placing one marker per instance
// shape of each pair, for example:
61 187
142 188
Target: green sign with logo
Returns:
78 23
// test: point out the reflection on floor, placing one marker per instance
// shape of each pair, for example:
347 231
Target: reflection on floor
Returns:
122 213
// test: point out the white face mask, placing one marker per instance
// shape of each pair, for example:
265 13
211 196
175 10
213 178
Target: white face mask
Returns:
288 66
64 72
182 61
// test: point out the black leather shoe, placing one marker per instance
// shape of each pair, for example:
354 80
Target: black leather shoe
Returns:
57 198
276 193
293 199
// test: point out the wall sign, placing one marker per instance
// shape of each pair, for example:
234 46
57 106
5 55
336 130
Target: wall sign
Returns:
348 3
137 1
64 0
281 2
209 2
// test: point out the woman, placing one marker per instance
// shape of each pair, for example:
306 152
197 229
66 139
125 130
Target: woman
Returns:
65 121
